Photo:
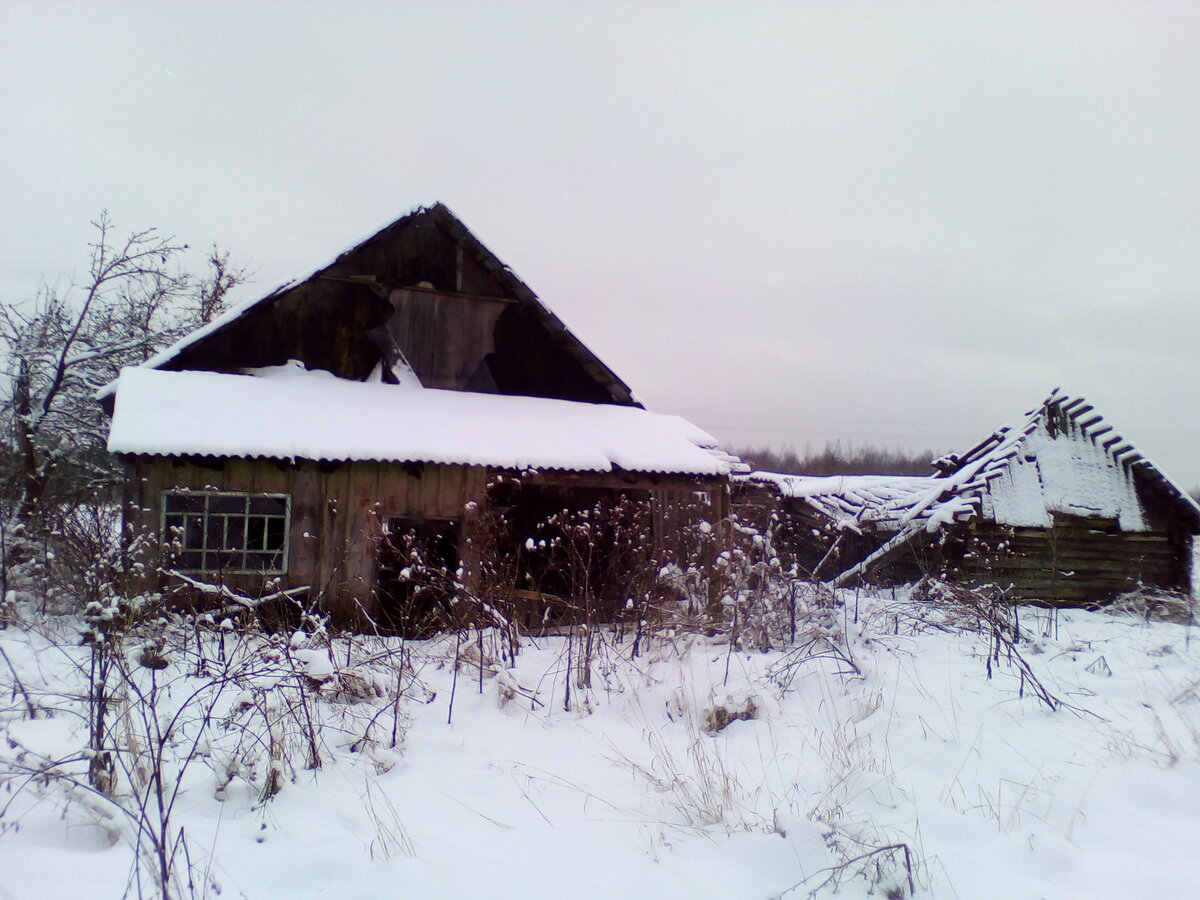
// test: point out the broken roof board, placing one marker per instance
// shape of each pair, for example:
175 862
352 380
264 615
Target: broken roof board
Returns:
881 502
1090 473
313 415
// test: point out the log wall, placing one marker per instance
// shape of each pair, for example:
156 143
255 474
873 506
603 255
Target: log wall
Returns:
1077 561
1068 564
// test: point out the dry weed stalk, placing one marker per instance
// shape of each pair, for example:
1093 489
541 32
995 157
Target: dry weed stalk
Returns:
876 866
984 611
168 693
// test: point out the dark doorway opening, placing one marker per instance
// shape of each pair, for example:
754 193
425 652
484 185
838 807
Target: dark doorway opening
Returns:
418 575
581 552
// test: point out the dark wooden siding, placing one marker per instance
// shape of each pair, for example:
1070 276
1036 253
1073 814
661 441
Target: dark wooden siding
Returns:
323 324
338 511
446 338
459 317
529 360
455 341
417 250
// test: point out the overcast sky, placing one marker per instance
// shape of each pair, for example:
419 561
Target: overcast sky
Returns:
889 223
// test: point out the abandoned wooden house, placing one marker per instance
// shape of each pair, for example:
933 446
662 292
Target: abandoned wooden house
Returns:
1061 510
414 388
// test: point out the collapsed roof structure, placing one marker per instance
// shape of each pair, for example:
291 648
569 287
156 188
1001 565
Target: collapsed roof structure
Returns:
1060 508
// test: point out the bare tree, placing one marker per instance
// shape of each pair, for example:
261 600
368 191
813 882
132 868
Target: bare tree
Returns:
211 291
63 345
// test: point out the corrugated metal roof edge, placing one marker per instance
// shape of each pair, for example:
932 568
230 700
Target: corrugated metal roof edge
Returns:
429 461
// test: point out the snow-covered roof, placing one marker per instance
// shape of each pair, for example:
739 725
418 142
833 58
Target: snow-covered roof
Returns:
291 413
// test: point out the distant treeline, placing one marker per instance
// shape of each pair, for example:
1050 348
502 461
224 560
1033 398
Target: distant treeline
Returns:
837 459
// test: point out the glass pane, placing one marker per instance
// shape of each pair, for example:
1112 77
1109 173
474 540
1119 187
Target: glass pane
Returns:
193 535
216 533
275 531
225 560
184 502
271 506
192 559
260 562
256 528
226 504
235 533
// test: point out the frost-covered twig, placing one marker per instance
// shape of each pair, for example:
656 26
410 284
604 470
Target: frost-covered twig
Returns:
18 685
858 867
241 602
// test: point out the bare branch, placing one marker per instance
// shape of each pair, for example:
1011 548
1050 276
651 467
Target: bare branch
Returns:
63 345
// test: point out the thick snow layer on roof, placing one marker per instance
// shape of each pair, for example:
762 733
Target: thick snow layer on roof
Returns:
1063 474
878 487
296 414
1019 476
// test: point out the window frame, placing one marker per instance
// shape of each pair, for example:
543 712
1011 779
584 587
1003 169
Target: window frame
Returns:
245 515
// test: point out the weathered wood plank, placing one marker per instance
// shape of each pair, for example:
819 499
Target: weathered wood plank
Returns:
332 487
304 550
362 533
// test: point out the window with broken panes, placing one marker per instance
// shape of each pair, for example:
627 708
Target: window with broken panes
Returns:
209 531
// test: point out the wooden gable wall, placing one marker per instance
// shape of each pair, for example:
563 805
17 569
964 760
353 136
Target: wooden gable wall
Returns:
324 324
459 318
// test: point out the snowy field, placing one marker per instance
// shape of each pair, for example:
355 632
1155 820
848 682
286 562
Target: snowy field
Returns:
884 726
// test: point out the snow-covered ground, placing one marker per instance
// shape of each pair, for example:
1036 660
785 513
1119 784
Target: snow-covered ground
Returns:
497 790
